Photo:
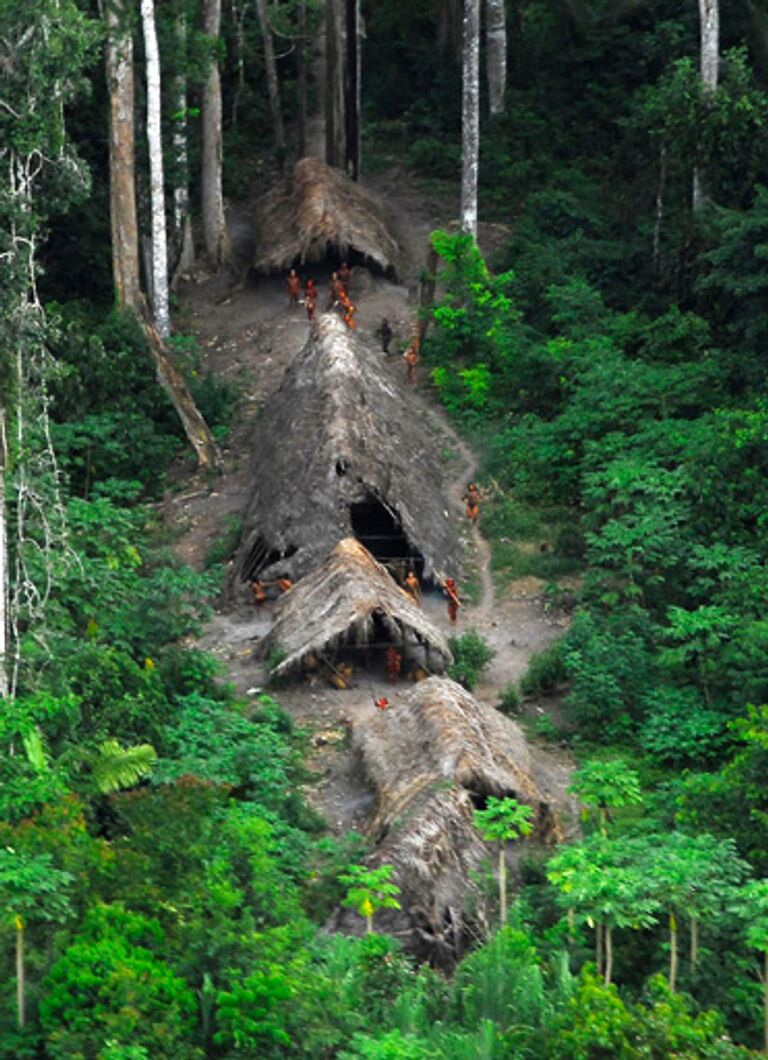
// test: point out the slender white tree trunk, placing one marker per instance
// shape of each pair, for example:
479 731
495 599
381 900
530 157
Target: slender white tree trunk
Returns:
496 53
182 225
212 196
470 116
4 577
156 181
502 886
122 176
608 954
273 84
709 17
301 64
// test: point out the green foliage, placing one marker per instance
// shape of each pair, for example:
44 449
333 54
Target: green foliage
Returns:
509 700
110 985
471 655
605 785
369 890
546 670
503 820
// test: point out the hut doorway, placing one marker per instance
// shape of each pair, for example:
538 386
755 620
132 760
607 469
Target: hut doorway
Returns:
379 530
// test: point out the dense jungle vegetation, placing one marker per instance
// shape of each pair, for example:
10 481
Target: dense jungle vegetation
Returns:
162 882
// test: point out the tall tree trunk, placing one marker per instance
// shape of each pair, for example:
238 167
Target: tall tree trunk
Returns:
502 886
694 941
301 64
335 151
184 248
709 17
174 384
21 987
672 952
659 209
352 73
496 53
608 954
215 235
156 180
599 947
273 84
4 576
427 291
122 182
470 116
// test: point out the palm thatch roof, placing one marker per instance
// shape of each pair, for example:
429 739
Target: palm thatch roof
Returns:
431 760
338 443
319 212
341 603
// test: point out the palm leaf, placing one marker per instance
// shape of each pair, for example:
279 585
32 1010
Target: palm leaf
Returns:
118 767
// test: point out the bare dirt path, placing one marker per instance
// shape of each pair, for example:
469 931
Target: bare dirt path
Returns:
249 338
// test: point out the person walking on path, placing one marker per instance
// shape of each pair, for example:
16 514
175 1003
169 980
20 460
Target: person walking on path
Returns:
413 587
454 603
294 289
411 358
472 498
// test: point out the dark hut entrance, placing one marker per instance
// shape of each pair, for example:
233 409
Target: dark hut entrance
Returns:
377 528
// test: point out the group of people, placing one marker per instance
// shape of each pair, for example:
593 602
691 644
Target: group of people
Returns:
259 589
339 294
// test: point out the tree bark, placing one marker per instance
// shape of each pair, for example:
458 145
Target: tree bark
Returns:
184 248
470 116
608 954
659 209
352 89
175 386
709 17
672 952
502 886
694 941
496 53
122 176
427 291
4 577
156 180
599 947
335 151
215 235
273 84
20 977
301 65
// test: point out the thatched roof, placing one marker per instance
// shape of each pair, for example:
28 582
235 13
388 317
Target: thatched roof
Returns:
340 603
317 212
337 434
430 760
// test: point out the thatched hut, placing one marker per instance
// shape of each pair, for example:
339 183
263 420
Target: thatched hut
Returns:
319 214
351 600
341 451
430 760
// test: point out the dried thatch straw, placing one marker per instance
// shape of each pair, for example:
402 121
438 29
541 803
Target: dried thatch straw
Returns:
318 212
340 433
340 603
430 761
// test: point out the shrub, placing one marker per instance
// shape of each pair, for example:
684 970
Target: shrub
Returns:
546 671
509 700
471 655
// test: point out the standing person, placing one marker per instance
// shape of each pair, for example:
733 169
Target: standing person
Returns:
452 592
413 587
472 498
336 290
310 302
411 358
349 315
384 332
259 593
394 664
345 276
294 288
